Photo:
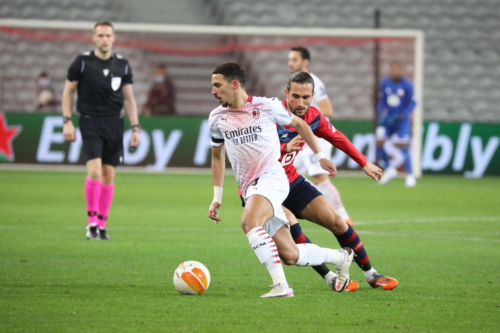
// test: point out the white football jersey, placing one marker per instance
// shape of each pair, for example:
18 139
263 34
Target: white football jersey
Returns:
250 136
319 91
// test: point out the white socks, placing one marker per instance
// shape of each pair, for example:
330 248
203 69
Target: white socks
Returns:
368 274
313 255
267 252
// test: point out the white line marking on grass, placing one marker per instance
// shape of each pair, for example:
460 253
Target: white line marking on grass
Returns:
431 220
360 223
389 234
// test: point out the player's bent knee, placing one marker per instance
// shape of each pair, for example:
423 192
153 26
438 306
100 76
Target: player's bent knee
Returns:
289 257
248 224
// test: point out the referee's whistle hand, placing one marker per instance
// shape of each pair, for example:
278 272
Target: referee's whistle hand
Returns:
135 139
69 131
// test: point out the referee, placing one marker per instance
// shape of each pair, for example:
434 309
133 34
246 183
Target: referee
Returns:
103 80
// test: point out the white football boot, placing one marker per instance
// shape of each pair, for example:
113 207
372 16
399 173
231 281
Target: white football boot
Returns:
279 291
389 174
410 181
343 277
91 231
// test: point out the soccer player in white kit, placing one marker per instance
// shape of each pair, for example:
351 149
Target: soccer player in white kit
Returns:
247 126
305 163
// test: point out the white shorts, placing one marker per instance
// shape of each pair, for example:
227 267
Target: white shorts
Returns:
273 185
306 163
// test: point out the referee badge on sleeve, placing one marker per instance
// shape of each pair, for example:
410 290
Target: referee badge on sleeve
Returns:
115 83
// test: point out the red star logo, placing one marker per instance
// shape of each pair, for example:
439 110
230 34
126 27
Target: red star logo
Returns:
7 135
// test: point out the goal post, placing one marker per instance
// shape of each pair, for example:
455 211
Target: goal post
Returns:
255 46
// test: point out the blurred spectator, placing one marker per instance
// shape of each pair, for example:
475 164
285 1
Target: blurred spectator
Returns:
45 95
161 96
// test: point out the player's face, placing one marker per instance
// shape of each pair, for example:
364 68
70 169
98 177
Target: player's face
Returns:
299 98
104 38
295 62
222 90
395 71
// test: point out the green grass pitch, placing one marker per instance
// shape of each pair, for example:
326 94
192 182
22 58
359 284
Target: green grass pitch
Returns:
441 240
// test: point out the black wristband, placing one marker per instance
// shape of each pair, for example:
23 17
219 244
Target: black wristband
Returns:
66 119
136 127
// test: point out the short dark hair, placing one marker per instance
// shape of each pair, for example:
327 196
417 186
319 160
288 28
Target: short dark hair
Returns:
299 77
105 24
231 71
304 53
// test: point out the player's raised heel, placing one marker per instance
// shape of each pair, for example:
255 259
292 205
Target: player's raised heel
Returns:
343 277
279 291
91 231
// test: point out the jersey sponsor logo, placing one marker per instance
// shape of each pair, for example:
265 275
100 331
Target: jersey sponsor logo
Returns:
256 113
115 83
105 71
242 131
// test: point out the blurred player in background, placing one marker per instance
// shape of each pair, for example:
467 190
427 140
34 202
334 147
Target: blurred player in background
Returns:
103 81
396 102
246 125
299 59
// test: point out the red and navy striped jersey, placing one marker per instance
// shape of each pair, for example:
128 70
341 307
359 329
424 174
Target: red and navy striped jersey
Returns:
322 128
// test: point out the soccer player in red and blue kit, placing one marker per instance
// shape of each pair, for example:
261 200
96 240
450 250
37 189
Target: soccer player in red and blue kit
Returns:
304 200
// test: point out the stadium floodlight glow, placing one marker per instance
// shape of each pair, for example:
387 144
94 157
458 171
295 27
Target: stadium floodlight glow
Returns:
314 36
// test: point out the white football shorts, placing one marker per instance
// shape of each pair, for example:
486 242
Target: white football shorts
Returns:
306 163
273 185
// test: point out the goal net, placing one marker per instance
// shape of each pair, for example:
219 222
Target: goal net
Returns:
350 62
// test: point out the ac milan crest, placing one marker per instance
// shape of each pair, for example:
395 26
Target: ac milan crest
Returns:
256 113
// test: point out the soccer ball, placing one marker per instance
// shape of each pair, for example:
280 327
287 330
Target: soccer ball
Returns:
191 278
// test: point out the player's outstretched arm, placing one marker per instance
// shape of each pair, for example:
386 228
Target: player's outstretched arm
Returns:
67 104
305 132
372 171
218 167
130 107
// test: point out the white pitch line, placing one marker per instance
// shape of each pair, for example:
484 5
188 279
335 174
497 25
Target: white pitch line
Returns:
223 227
431 220
389 234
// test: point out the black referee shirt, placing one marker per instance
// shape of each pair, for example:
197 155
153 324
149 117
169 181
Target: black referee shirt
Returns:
99 83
